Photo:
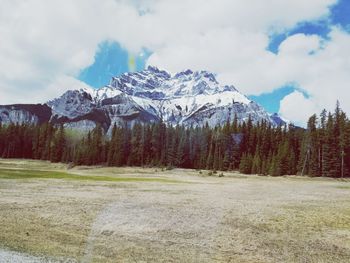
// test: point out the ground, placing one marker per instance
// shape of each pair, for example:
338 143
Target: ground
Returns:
49 213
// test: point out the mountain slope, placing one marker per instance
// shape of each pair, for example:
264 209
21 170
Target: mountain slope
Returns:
25 113
186 98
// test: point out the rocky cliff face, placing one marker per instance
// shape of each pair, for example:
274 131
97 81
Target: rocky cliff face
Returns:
186 98
25 113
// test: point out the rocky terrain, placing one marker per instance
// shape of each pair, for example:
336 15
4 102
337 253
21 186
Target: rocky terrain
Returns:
186 98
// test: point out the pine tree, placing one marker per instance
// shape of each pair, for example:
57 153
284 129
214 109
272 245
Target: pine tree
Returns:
136 149
58 145
246 164
210 159
275 166
323 149
314 147
112 146
256 167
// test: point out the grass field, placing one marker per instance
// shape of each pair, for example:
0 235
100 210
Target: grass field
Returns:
49 213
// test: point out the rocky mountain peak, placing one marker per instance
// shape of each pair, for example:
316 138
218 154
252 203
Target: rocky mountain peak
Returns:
190 98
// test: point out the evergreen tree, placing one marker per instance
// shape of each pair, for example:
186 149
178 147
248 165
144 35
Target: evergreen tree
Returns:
322 149
58 145
246 164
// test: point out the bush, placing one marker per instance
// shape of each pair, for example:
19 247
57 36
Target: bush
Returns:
169 167
70 165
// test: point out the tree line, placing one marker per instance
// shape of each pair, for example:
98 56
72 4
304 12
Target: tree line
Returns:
323 149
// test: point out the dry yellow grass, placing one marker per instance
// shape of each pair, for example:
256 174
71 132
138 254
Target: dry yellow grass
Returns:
177 216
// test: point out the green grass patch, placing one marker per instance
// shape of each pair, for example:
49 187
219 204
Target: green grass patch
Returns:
34 174
343 187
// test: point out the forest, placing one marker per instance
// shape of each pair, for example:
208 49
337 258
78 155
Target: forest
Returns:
322 149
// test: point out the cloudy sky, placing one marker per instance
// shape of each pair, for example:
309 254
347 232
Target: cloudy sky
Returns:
292 56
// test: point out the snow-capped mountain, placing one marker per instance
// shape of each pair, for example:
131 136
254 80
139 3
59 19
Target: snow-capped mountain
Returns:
186 98
279 120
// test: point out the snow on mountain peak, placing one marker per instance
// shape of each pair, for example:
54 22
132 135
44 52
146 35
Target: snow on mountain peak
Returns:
179 97
154 83
190 98
187 97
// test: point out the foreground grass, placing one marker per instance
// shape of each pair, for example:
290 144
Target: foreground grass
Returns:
314 232
47 210
35 174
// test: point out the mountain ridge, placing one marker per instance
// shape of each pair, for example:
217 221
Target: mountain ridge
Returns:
190 98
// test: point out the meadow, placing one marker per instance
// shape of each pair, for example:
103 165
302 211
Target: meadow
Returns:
55 213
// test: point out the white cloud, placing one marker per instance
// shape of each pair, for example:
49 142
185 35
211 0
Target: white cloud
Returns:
43 42
299 45
56 87
297 108
62 84
323 75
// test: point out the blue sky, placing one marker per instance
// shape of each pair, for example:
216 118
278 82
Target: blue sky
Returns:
112 60
291 56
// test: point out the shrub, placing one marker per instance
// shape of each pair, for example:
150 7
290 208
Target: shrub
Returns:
169 167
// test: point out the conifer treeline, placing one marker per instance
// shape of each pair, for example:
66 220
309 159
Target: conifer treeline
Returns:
326 145
323 149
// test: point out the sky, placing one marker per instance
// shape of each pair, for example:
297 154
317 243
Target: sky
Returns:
291 56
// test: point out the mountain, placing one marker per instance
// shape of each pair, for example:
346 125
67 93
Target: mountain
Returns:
279 120
190 98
